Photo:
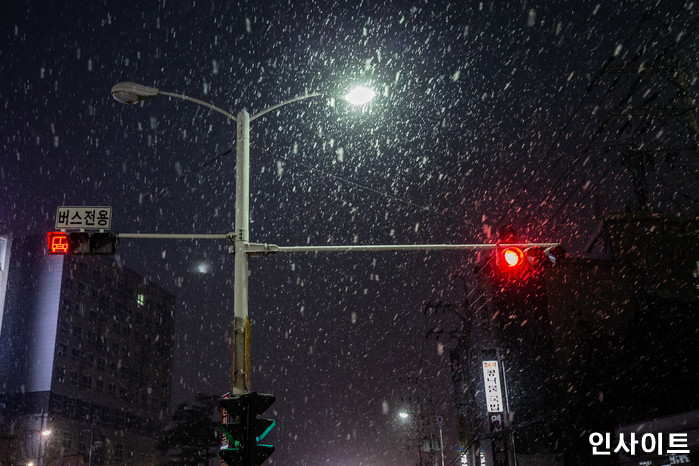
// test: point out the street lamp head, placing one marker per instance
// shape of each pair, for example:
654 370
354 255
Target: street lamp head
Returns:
133 93
45 432
360 95
403 415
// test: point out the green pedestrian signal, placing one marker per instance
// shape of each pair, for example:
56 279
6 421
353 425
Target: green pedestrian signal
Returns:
244 431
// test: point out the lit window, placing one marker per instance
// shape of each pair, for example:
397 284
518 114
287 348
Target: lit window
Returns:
140 299
60 374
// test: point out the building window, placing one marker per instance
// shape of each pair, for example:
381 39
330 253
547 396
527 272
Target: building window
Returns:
74 378
112 389
67 305
99 385
67 440
82 443
119 420
69 407
86 382
119 451
55 403
75 352
140 299
60 374
78 333
61 350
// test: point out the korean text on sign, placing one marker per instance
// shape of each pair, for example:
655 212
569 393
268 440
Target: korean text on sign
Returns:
493 394
98 218
646 443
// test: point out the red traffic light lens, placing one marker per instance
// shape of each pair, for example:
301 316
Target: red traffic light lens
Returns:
58 242
512 257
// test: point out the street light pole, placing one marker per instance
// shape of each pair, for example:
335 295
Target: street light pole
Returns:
240 337
132 93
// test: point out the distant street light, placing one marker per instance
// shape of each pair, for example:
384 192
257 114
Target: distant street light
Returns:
132 93
403 415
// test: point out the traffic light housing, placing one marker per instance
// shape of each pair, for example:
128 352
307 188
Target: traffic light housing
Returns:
544 257
245 431
81 243
513 260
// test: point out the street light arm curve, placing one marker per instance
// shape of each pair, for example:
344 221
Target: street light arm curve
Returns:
281 104
133 93
201 102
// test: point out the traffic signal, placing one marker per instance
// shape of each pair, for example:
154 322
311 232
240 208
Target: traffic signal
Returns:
61 242
244 431
512 259
544 257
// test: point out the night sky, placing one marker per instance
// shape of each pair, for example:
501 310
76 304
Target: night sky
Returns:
489 113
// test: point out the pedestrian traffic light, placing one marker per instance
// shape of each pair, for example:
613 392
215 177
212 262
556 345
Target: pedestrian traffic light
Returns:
244 431
69 243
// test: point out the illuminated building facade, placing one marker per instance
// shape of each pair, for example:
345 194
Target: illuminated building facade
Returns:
85 352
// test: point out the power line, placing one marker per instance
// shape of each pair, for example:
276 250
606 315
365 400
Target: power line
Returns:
573 114
594 81
361 186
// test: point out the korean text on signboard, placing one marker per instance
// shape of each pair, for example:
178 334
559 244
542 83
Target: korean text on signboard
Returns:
88 218
493 394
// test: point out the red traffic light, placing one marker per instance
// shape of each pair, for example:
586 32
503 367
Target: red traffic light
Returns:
61 242
510 257
58 242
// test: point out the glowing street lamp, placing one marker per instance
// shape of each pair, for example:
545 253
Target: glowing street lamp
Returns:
360 95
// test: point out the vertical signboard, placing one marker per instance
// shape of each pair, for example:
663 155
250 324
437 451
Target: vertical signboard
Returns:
493 394
495 408
225 419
